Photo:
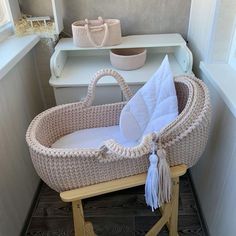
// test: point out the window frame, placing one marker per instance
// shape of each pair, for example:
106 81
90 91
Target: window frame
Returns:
6 29
4 10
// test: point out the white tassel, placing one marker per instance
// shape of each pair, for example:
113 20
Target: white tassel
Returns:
151 186
164 178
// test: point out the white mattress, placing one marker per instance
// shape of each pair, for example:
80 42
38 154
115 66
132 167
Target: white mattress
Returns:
92 138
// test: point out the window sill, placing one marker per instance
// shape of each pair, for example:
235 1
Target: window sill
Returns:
223 78
13 49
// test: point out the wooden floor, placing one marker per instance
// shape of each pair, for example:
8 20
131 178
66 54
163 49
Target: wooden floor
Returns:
121 213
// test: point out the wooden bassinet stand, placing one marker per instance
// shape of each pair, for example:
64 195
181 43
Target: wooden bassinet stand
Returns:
169 210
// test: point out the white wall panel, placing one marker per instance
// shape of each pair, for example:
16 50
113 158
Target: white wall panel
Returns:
210 34
215 174
20 101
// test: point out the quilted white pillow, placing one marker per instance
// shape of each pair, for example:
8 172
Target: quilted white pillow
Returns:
153 107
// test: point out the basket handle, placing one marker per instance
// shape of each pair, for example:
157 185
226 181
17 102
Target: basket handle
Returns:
95 29
106 72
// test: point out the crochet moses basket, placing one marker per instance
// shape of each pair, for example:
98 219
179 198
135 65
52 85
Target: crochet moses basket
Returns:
183 140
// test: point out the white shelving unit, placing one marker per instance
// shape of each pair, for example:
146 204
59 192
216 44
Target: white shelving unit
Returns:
72 68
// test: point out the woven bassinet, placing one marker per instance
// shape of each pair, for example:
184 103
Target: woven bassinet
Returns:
183 140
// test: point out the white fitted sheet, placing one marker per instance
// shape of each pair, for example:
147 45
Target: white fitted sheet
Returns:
92 138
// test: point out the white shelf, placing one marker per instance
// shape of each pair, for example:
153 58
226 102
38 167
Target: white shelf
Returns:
133 41
223 78
73 67
79 70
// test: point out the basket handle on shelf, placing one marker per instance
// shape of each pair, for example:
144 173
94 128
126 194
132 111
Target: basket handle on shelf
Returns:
95 29
106 72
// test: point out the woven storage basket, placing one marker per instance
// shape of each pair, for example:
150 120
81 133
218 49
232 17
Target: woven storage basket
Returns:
96 33
63 169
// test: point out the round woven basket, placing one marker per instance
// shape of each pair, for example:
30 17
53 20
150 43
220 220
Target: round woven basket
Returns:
183 140
128 58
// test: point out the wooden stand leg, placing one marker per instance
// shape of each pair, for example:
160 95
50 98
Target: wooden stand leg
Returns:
169 213
81 227
164 219
78 216
173 222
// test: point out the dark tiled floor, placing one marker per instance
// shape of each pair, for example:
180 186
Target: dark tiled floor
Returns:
121 213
